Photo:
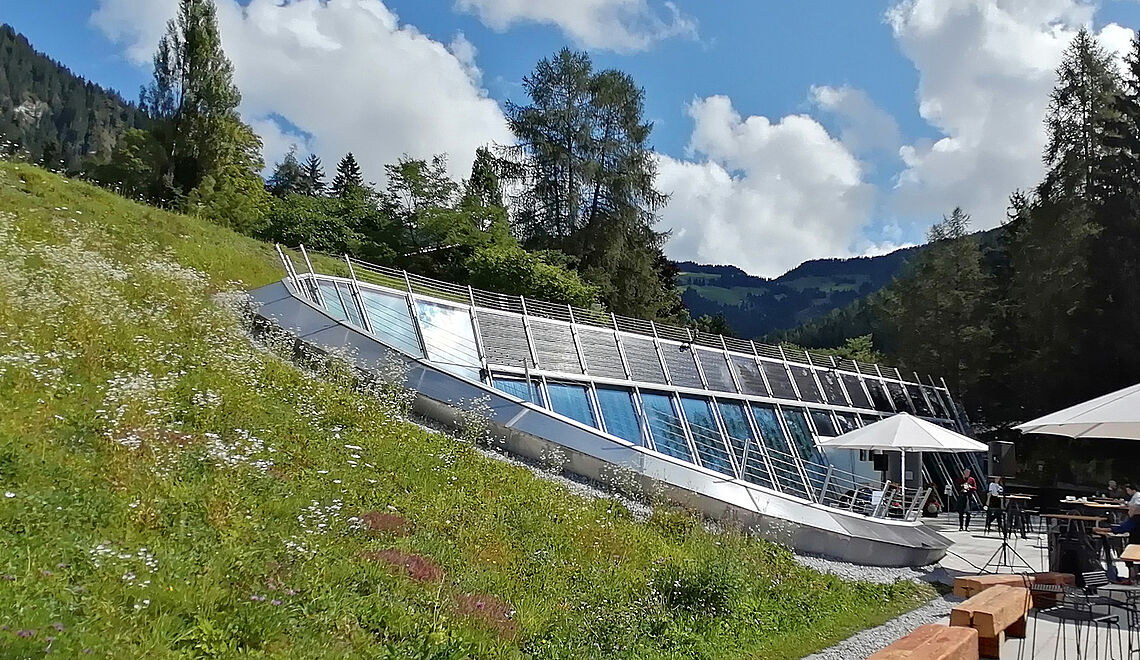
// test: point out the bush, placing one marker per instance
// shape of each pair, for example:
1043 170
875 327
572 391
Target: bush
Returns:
511 269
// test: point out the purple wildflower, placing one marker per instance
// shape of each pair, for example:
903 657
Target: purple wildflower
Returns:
25 633
58 625
274 602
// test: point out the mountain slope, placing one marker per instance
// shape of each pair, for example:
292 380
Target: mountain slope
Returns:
171 489
58 117
757 307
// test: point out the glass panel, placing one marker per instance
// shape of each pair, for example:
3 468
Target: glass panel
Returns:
847 422
571 401
806 384
392 321
805 446
855 391
665 426
353 311
619 414
518 388
920 405
750 379
706 435
898 396
740 438
332 301
831 387
823 423
778 380
936 402
879 395
783 460
450 338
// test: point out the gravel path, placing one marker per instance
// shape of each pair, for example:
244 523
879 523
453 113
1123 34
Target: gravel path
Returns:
862 645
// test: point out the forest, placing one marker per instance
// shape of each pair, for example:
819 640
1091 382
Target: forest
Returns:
1041 313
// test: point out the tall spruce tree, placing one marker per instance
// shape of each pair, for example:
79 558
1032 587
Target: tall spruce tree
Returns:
939 308
194 100
585 178
288 177
1054 234
349 181
313 180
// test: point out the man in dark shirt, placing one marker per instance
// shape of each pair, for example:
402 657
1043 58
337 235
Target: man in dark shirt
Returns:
965 487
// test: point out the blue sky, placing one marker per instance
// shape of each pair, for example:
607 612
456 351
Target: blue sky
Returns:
788 130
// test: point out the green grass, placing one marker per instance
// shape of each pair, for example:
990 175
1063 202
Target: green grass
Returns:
172 490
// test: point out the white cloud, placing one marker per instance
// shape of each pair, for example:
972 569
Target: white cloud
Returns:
619 25
764 196
986 68
344 71
864 126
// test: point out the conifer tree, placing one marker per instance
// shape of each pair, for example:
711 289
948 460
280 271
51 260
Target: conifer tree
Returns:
288 177
195 101
349 181
313 181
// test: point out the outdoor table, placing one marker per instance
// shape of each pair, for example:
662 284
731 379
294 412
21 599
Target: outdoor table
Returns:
1115 512
1107 537
1015 513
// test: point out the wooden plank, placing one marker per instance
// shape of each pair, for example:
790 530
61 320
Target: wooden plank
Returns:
990 647
933 642
1005 606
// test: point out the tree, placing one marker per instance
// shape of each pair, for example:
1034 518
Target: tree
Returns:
939 308
584 174
349 181
194 100
288 177
313 179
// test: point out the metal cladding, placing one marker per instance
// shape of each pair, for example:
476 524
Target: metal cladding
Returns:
727 426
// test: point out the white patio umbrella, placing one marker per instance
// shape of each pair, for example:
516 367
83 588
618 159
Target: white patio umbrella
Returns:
903 433
1115 415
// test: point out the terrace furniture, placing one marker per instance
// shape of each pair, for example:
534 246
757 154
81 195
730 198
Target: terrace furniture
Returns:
995 613
971 585
933 642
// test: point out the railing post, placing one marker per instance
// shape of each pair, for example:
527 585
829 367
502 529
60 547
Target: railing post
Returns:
826 484
577 342
660 354
526 331
289 272
621 348
314 287
478 336
358 298
415 312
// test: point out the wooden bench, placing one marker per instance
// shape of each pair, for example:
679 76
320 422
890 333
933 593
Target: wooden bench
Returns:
933 642
968 586
995 613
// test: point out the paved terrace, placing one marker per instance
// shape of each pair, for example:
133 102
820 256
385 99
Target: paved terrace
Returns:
971 551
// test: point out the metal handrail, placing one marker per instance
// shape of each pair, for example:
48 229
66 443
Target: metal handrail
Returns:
600 318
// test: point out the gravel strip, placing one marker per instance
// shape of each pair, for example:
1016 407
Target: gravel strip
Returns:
855 572
862 645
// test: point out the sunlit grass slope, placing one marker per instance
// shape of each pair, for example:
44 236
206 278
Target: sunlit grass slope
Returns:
169 489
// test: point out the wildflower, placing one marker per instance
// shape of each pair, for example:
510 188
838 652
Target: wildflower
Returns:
58 625
274 602
25 633
9 494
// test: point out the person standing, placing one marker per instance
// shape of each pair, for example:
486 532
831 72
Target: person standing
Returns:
994 508
965 487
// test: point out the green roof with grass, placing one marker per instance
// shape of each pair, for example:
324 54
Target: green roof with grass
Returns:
172 489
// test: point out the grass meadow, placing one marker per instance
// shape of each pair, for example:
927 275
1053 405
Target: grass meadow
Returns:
169 488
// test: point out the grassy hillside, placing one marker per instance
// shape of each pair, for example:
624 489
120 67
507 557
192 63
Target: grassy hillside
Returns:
171 489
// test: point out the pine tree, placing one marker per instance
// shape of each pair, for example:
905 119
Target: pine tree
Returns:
288 177
939 308
349 181
313 181
585 178
194 100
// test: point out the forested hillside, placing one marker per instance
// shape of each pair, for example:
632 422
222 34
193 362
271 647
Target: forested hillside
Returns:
60 119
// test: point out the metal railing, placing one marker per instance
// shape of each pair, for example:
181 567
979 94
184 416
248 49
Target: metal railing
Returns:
709 447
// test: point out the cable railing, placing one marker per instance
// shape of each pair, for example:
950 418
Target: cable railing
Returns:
706 446
422 285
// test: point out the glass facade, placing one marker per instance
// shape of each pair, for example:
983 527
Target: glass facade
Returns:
766 443
707 437
572 401
450 338
619 414
665 426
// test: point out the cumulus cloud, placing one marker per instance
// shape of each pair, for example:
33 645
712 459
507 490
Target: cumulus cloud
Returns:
345 72
864 126
759 194
618 25
986 68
